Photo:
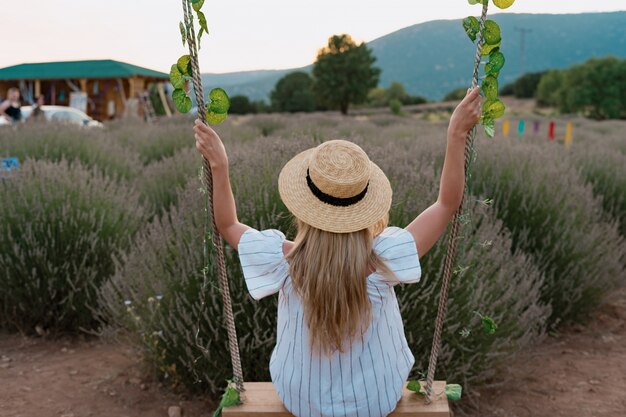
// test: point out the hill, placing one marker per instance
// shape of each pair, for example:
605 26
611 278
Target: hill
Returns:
432 58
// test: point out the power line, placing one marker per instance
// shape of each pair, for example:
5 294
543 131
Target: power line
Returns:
523 32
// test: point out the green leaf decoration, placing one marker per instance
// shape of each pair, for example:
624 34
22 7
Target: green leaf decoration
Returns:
181 100
472 2
495 64
454 391
471 26
215 118
490 87
184 65
503 4
488 49
489 326
489 126
220 103
203 24
176 78
229 399
416 387
493 35
200 32
493 109
183 32
197 4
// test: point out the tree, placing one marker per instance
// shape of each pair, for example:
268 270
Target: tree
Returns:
294 93
241 105
344 73
456 94
396 91
596 88
549 88
524 87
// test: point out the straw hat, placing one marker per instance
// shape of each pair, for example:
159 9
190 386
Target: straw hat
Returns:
335 187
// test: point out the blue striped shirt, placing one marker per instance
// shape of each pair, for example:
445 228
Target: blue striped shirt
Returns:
367 379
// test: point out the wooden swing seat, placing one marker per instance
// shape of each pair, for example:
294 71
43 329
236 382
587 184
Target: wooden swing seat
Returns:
261 399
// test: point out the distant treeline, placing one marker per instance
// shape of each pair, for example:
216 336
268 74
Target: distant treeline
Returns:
596 88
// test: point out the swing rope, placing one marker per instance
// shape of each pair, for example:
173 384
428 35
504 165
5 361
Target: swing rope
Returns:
229 318
453 238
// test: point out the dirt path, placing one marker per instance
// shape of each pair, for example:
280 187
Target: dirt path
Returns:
80 379
579 373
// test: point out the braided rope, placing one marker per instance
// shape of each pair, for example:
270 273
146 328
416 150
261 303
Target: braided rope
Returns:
229 318
453 240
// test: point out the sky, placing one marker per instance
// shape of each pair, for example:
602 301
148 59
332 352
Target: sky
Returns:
244 34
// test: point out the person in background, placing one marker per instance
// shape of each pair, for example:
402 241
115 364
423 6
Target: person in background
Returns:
37 114
10 108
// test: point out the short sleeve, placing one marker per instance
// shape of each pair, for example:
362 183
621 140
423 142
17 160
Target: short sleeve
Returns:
397 248
265 268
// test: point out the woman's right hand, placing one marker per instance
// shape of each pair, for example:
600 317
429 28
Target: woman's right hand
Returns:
466 114
210 145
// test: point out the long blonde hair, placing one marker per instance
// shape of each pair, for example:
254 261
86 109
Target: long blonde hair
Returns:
329 272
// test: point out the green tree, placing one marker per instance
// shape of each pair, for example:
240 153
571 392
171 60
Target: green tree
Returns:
396 91
525 86
549 88
596 88
344 73
456 94
241 105
294 93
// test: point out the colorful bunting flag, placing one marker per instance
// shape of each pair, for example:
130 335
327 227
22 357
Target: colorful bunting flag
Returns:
569 133
506 126
551 131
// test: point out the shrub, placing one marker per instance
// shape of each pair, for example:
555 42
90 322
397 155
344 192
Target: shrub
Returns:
553 217
604 170
396 107
241 105
55 142
60 226
154 141
161 180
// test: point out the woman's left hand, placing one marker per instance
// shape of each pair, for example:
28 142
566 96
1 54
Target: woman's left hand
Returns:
210 145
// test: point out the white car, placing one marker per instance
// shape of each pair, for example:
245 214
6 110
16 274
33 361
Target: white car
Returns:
63 114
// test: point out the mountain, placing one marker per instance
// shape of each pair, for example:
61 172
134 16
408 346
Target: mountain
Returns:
433 58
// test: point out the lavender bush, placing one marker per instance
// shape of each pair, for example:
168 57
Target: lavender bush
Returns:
60 226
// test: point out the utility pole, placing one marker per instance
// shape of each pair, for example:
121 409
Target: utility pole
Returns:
523 32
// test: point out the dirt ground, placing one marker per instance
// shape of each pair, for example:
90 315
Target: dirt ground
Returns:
581 372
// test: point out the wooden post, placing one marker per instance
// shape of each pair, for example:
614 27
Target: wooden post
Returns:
166 106
120 86
132 87
83 85
37 88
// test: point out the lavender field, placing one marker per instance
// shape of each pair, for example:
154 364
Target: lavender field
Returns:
101 231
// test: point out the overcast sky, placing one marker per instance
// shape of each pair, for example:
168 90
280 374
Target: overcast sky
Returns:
245 34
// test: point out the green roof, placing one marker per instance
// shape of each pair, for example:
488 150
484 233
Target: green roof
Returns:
105 68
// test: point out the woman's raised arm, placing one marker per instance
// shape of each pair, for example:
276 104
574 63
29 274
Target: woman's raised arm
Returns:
428 227
211 147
